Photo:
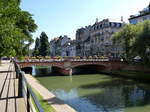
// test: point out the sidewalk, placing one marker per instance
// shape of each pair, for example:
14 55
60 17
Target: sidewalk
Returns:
9 101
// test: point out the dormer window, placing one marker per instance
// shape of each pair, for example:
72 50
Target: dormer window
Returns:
97 27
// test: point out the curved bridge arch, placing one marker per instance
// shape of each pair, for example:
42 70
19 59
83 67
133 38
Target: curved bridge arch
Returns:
75 64
88 68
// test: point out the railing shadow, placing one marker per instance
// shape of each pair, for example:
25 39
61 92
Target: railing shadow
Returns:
9 77
5 71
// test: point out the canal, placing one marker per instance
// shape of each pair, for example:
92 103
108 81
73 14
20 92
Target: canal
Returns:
96 92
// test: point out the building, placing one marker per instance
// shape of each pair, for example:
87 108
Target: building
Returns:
83 41
56 45
53 47
141 16
63 46
96 39
101 42
69 49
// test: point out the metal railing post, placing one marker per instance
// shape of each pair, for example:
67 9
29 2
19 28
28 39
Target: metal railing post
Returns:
16 69
28 100
17 72
20 86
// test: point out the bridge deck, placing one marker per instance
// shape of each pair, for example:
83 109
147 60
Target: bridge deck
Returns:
9 101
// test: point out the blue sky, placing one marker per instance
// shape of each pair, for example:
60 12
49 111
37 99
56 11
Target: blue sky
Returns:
64 17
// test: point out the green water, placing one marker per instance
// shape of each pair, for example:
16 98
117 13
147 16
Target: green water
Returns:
98 92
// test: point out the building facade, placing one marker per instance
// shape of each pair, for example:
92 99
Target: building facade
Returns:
63 46
69 49
141 16
53 47
83 41
96 39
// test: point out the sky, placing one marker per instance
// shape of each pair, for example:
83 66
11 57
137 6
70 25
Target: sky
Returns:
64 17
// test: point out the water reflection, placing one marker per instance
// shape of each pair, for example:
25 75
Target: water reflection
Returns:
73 99
99 93
38 71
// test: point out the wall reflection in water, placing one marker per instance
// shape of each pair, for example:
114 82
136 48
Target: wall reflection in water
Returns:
99 93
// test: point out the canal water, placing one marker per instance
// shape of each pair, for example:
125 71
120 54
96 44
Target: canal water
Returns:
97 92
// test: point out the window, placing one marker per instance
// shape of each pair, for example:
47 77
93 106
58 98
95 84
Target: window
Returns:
101 26
120 24
115 24
133 21
110 24
144 18
97 27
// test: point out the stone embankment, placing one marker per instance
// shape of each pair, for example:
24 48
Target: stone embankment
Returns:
56 103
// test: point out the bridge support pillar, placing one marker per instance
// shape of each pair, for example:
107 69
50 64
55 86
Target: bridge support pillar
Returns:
63 71
67 71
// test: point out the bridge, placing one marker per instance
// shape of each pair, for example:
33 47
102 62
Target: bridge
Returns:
67 67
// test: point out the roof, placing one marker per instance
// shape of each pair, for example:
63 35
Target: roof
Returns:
138 15
141 13
108 20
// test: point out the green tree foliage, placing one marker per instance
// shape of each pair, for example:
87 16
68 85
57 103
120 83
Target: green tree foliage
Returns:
126 37
142 43
135 40
7 2
16 27
37 47
44 45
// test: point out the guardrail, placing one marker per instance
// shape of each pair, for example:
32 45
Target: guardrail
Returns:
61 60
90 59
25 91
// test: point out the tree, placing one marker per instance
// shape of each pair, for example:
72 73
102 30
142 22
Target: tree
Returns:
16 27
44 45
126 37
142 44
6 2
37 47
135 39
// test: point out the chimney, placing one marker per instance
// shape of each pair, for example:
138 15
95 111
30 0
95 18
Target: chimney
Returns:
122 18
96 20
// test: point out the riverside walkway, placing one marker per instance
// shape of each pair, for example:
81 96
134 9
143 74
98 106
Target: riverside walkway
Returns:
9 100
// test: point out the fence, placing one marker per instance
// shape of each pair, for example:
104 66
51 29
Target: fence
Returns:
61 60
25 91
